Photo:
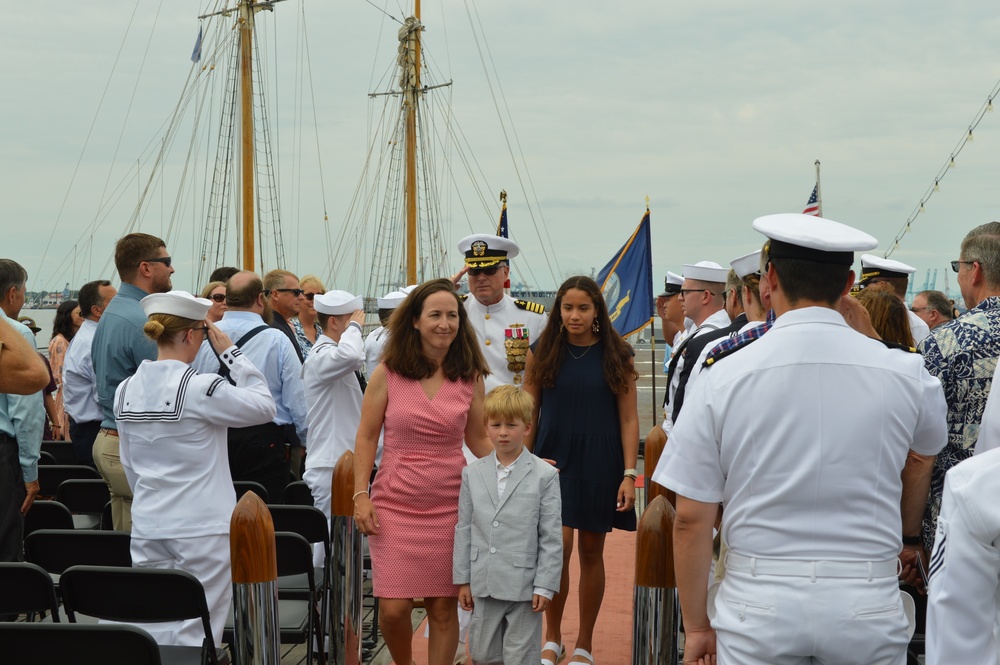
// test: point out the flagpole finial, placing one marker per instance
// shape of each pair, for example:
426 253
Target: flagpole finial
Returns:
647 202
503 196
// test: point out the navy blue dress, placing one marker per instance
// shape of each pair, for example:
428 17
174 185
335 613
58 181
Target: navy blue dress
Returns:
578 427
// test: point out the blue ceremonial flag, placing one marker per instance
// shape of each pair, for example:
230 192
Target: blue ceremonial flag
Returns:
504 232
196 53
627 282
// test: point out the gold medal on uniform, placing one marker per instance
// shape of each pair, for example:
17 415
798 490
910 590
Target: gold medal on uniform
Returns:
516 343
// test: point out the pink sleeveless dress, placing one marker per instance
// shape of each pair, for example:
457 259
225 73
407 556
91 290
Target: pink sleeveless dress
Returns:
415 493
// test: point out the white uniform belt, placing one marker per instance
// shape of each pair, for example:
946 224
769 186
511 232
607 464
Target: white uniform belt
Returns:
812 569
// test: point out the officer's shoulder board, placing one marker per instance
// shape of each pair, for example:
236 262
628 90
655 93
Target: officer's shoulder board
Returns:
709 362
530 306
900 347
463 297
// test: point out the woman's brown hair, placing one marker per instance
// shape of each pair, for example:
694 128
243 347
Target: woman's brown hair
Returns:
404 353
548 352
888 313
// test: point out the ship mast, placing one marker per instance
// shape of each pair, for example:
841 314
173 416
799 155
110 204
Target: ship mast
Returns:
410 97
246 17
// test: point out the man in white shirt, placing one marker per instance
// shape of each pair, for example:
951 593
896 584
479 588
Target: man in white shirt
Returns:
818 441
259 452
333 388
79 382
377 338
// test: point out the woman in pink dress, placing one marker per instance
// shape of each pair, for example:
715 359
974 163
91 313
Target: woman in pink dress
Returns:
67 321
428 394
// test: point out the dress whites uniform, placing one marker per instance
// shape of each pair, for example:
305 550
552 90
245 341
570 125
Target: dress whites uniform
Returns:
377 338
874 267
172 426
505 329
331 377
707 271
963 612
802 436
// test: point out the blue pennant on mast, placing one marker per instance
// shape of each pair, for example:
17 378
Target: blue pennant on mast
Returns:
627 282
196 53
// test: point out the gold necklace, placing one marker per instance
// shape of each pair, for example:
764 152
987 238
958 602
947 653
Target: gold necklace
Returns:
577 357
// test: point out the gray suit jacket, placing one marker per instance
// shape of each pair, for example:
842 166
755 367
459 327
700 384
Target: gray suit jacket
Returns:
506 547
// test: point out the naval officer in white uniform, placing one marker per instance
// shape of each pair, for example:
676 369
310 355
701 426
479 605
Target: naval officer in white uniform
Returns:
334 388
504 326
377 338
172 426
963 612
875 269
818 441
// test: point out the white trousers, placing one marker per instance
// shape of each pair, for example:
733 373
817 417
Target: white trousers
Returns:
779 620
205 557
320 482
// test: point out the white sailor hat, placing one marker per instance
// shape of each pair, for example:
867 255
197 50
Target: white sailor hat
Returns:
705 271
671 284
407 290
746 265
875 266
809 238
391 300
176 303
483 250
337 302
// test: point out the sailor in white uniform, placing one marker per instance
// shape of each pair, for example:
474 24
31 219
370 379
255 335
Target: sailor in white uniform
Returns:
504 326
172 426
334 388
818 442
377 338
963 612
875 269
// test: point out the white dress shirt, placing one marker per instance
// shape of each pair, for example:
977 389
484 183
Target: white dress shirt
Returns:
79 383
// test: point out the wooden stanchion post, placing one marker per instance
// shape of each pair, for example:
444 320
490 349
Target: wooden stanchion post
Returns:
255 589
656 440
346 573
656 620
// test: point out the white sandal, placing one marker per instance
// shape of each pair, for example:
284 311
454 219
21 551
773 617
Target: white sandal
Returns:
558 649
585 654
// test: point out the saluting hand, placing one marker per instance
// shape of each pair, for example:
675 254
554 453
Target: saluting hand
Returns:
457 277
358 317
219 340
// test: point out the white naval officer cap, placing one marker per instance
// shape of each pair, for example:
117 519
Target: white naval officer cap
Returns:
176 303
809 238
391 300
407 290
483 250
748 264
705 271
671 284
337 302
875 266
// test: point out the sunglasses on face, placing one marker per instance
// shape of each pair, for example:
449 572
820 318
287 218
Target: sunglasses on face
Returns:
165 260
218 297
295 292
475 272
310 296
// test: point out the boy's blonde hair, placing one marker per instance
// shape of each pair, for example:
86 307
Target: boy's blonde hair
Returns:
506 402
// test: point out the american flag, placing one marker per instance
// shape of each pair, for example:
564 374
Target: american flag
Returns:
812 208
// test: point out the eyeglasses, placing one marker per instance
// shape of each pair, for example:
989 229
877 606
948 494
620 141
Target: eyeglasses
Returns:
684 292
310 296
919 309
295 292
218 297
165 260
956 264
476 272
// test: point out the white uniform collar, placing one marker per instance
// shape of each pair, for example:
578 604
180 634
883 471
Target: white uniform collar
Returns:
242 315
489 309
810 315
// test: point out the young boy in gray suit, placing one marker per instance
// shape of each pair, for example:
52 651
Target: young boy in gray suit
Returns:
508 540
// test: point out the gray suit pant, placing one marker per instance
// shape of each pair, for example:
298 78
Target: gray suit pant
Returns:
505 632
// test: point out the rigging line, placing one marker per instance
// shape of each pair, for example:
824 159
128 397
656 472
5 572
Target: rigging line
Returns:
86 142
385 12
943 171
507 139
319 153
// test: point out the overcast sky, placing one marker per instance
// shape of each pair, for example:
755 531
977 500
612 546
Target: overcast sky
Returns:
716 111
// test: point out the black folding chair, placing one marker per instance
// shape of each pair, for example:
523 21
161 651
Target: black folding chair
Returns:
56 550
62 451
80 644
85 499
51 476
45 457
47 515
298 494
146 595
244 486
27 589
